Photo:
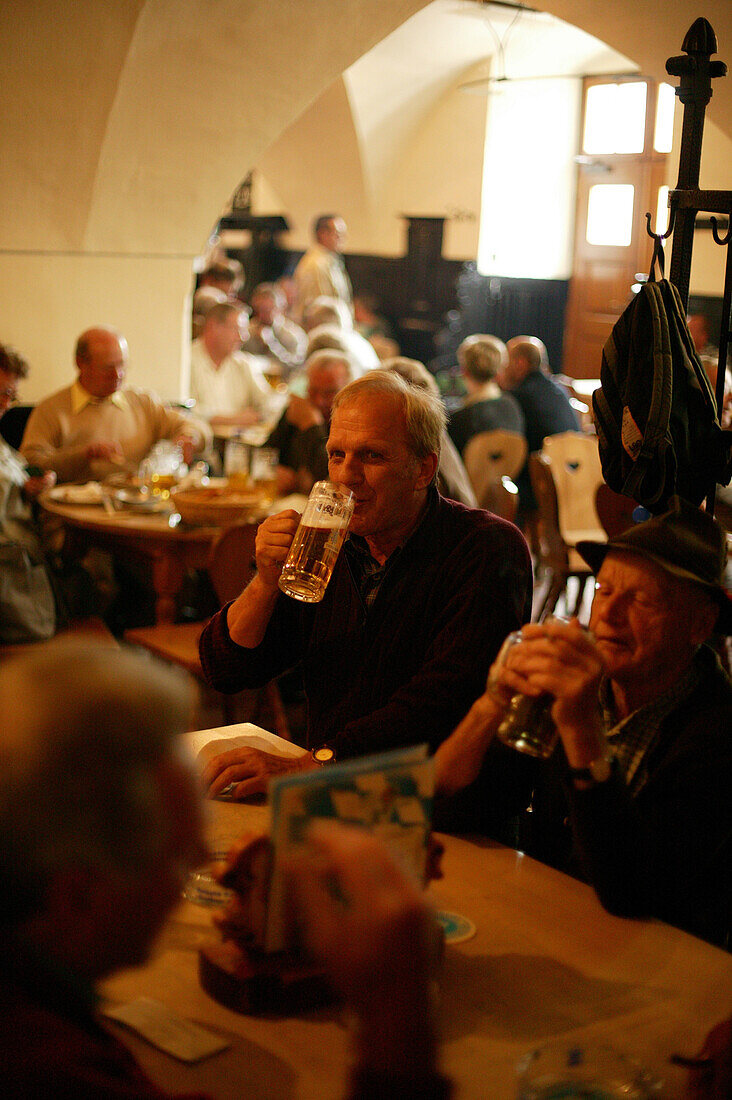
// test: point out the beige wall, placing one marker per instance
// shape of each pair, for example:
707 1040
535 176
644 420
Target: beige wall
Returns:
126 124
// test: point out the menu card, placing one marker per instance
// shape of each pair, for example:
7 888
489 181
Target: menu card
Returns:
389 794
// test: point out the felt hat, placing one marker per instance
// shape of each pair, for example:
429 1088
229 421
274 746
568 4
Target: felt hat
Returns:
686 542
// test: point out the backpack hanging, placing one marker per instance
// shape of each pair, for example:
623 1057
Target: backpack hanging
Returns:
655 412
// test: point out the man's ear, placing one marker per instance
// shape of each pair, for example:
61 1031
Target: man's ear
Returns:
427 471
704 615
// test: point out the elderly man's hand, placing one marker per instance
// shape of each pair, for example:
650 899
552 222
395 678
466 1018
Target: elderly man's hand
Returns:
272 544
302 414
250 770
560 659
361 916
39 483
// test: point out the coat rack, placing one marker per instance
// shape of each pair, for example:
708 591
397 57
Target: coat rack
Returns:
696 71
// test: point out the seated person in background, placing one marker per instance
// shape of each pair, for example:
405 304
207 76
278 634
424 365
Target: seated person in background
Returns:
302 432
223 274
204 298
25 614
452 478
367 321
94 427
272 334
421 598
545 404
86 891
638 795
228 387
482 359
328 324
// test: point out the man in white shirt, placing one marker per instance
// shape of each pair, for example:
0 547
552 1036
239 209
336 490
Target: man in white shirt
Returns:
321 270
227 385
94 427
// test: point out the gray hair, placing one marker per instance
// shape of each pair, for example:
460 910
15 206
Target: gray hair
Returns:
324 357
78 755
326 311
424 413
482 356
331 337
411 370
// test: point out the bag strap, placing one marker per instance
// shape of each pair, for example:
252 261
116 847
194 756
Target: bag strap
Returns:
660 255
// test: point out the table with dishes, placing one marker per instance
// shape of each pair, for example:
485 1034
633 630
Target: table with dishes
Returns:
173 535
545 965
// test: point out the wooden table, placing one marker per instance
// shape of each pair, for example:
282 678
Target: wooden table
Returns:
547 964
170 549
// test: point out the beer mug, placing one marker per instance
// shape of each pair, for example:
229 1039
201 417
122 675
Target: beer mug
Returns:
236 463
317 542
527 725
263 471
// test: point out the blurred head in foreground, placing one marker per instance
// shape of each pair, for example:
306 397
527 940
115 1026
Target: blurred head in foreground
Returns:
99 812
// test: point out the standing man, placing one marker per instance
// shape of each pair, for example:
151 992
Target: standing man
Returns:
321 270
93 427
227 385
421 598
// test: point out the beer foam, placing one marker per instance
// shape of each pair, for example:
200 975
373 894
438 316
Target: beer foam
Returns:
328 523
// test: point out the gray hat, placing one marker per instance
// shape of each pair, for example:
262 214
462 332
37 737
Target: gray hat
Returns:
686 542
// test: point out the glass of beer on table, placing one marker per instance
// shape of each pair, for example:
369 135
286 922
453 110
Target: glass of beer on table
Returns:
263 471
317 542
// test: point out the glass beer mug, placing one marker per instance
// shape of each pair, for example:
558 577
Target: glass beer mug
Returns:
527 725
317 542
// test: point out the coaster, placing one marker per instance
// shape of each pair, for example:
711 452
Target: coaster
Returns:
456 929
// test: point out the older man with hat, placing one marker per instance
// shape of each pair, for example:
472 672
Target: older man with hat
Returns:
637 797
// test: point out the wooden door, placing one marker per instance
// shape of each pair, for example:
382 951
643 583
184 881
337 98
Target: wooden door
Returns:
608 254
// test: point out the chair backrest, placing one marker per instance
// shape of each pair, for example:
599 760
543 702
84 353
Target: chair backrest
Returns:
12 424
575 465
491 456
231 561
553 548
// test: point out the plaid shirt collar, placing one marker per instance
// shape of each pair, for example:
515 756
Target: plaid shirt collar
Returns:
631 738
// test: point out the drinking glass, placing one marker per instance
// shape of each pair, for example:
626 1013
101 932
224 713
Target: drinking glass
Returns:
236 463
592 1071
263 471
527 725
317 542
162 468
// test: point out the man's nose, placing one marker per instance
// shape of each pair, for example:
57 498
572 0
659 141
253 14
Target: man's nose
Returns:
350 471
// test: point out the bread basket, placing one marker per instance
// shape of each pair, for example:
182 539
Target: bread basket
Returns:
218 507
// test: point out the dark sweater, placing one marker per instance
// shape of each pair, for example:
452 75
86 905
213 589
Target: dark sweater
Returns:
407 671
485 416
667 852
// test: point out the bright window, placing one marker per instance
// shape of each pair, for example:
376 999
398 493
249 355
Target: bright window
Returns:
663 133
610 214
661 224
615 118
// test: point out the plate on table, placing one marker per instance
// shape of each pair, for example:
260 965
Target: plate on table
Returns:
90 493
138 500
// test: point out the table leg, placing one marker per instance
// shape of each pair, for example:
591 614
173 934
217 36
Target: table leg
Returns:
168 575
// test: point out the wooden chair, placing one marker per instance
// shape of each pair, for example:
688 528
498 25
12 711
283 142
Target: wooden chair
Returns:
565 476
492 459
230 567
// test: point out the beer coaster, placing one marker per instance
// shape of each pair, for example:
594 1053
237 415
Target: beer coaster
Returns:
456 929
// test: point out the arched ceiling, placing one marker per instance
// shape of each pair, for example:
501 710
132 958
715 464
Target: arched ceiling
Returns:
127 123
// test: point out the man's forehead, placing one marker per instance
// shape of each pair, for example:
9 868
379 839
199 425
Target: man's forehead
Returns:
626 567
376 416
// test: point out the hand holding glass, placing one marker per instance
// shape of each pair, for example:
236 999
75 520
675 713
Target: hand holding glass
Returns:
317 543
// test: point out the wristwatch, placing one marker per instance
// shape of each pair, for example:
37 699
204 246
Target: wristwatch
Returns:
597 771
323 756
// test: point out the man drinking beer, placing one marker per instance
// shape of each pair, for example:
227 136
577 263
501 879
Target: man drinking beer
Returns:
420 599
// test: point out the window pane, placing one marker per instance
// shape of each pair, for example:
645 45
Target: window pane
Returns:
615 118
610 214
664 130
661 223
